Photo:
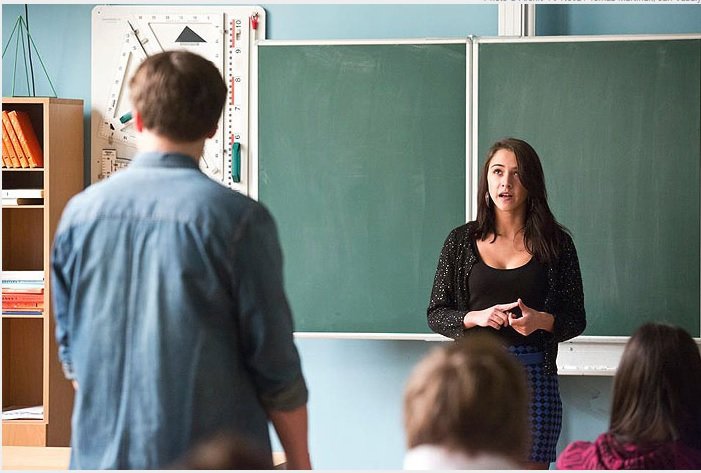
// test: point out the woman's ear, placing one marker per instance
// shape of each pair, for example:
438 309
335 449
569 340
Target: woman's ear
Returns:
212 132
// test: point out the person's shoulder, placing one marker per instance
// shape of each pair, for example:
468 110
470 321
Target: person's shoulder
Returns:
565 236
438 457
463 231
213 195
240 203
78 205
234 210
565 242
579 445
574 455
688 457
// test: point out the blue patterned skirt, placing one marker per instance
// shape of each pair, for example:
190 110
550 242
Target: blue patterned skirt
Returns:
545 410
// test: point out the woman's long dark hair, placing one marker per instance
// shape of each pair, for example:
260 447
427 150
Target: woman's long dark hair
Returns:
542 233
656 391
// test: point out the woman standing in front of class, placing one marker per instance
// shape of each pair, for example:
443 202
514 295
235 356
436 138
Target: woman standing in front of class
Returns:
514 272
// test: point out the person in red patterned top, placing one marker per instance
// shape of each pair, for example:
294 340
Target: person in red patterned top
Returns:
655 413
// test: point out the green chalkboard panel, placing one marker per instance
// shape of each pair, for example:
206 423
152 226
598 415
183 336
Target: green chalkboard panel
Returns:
362 164
616 124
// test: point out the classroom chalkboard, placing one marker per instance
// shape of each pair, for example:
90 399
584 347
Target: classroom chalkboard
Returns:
617 126
361 161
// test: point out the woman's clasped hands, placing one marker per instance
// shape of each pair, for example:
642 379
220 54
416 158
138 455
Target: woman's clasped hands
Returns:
502 315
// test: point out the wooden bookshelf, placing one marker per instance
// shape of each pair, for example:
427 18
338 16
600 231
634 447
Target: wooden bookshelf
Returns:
31 372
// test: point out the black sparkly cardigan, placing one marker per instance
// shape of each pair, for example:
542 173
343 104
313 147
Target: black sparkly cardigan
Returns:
450 294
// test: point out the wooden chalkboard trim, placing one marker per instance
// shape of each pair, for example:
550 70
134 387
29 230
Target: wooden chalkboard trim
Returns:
587 355
581 356
426 337
587 38
354 42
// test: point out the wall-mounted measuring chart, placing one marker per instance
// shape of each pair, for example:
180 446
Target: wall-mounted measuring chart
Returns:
123 36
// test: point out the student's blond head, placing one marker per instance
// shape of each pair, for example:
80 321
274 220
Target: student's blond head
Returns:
179 95
470 395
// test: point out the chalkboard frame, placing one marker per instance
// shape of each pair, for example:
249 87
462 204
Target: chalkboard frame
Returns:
606 358
254 190
590 355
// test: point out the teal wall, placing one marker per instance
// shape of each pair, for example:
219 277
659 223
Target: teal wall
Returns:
61 34
565 19
356 385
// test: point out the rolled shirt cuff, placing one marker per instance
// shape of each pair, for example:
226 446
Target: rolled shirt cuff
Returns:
68 370
290 397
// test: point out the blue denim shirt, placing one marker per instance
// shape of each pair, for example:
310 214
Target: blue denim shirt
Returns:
170 314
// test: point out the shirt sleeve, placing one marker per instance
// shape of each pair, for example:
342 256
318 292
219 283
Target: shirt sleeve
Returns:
264 315
443 316
570 316
60 290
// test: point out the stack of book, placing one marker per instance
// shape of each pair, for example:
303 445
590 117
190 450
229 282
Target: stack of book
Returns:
20 145
22 196
23 293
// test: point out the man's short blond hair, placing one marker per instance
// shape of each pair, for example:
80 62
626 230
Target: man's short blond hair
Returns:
470 396
180 95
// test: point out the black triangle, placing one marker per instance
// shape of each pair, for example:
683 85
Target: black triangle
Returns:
189 36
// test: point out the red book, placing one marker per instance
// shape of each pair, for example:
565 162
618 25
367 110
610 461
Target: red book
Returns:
22 297
22 305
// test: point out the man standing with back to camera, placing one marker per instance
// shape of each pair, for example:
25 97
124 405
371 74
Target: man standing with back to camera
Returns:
171 316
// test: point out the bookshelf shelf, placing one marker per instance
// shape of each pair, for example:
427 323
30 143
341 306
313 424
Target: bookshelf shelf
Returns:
24 421
31 372
13 316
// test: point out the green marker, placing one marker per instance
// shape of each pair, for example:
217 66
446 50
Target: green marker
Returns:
125 118
236 162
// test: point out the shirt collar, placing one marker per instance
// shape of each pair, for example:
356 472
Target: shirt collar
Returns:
157 159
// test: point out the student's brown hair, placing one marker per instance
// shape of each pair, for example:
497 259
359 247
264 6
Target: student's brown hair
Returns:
469 396
179 94
656 390
542 234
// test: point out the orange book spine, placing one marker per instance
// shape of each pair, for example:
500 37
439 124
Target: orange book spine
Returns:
27 138
6 160
12 155
22 159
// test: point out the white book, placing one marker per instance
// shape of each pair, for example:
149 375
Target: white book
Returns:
23 276
19 193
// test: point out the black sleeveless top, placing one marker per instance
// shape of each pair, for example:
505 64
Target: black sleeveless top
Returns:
490 286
